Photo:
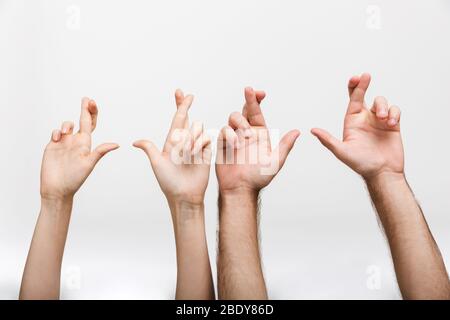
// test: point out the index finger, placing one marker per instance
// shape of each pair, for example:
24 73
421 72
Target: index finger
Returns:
179 97
352 83
252 109
181 116
357 91
260 95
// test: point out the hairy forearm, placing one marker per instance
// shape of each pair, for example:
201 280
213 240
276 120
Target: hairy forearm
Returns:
41 277
240 274
194 277
418 263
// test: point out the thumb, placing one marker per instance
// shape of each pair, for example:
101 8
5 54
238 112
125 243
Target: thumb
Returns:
149 148
285 146
102 150
331 143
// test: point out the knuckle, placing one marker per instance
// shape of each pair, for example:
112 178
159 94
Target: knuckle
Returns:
205 138
197 124
180 115
234 116
380 99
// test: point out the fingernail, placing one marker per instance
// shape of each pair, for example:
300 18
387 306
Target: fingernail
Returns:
392 122
248 133
383 113
64 130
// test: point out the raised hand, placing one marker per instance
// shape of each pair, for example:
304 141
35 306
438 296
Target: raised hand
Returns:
68 159
245 159
182 168
372 146
372 143
245 164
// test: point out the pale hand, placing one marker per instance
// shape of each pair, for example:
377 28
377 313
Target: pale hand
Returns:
372 142
245 159
68 159
182 168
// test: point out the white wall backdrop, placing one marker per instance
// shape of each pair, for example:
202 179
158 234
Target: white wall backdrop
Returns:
320 237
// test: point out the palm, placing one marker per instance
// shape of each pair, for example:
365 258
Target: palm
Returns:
183 177
372 146
245 159
371 139
241 171
182 168
66 164
68 160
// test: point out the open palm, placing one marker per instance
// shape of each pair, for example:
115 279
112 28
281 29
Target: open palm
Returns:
372 142
182 167
245 158
68 159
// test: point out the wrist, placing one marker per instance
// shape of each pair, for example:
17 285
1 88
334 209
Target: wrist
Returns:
55 196
385 177
239 204
56 208
242 192
185 200
57 202
185 211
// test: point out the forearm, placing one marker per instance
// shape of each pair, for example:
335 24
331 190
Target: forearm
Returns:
194 277
418 263
41 277
240 274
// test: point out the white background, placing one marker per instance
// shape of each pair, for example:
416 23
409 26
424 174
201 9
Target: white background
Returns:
320 237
